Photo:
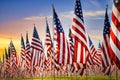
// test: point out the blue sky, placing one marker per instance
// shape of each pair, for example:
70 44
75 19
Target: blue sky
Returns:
18 16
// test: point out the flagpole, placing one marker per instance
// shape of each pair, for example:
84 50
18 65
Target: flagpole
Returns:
110 76
116 73
76 75
86 74
42 69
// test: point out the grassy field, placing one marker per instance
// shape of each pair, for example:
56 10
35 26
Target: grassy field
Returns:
68 78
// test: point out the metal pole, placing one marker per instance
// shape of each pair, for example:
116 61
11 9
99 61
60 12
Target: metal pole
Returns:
116 73
86 74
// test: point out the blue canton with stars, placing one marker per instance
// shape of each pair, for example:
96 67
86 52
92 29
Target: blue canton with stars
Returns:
116 3
78 10
106 29
35 34
90 42
57 22
47 28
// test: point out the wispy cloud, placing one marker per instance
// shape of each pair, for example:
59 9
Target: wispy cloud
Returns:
96 37
34 18
95 3
94 13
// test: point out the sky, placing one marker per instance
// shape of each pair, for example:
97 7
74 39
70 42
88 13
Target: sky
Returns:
19 16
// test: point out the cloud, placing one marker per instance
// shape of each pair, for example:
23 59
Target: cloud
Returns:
68 14
96 37
94 13
95 3
34 18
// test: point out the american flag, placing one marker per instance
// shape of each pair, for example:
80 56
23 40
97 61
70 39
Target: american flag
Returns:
36 49
79 35
22 48
48 42
92 51
61 43
13 57
7 62
48 48
23 56
27 52
106 39
99 55
115 33
106 61
71 47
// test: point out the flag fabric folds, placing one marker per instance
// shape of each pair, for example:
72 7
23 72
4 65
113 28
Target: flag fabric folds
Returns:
115 33
14 57
36 49
48 49
106 42
23 55
61 44
28 53
71 47
79 35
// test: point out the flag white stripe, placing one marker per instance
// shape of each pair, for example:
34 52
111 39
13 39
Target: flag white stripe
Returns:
79 52
115 49
37 47
79 20
78 27
79 36
66 52
116 13
106 52
85 53
115 31
61 46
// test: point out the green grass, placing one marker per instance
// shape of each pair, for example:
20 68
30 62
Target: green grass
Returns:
68 78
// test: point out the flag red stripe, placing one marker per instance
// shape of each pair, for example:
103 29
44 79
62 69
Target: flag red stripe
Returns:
115 21
77 22
79 32
115 39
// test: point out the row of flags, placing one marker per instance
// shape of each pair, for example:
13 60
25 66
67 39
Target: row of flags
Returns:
74 52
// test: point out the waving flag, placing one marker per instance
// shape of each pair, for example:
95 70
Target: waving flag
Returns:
48 49
8 59
79 35
27 52
115 33
99 54
7 63
36 49
22 48
71 47
23 56
13 57
48 42
61 44
106 42
92 51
